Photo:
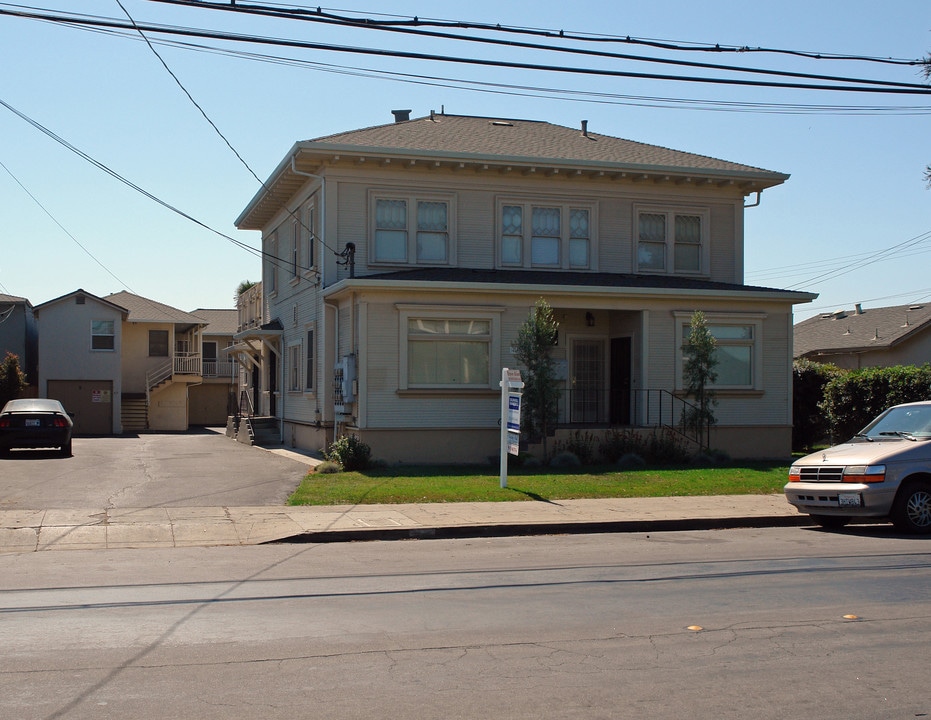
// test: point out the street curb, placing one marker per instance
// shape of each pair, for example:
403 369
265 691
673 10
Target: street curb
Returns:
456 532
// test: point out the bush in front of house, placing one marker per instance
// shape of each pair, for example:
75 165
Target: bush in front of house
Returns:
854 398
565 459
581 444
810 424
350 452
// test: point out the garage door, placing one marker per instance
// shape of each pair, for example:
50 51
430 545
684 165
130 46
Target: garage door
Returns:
90 403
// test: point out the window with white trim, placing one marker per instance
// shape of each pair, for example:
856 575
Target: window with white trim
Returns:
294 367
738 349
672 241
448 347
103 335
412 229
295 248
545 235
310 234
271 264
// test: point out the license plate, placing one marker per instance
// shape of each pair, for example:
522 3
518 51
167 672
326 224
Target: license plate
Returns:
848 499
33 423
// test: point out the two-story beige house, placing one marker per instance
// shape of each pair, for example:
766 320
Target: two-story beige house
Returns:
400 261
126 363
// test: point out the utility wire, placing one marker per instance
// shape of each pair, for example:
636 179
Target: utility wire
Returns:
366 23
511 89
279 262
712 48
212 124
889 88
64 229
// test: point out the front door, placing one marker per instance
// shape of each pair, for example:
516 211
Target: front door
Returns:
620 381
587 404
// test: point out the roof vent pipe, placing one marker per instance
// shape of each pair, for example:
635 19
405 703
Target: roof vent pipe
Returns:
859 308
401 115
585 128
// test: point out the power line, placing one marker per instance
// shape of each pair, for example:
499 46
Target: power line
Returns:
318 16
582 36
279 262
889 88
64 229
511 89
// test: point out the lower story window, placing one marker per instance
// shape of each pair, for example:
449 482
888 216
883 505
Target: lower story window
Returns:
294 367
447 349
738 351
448 352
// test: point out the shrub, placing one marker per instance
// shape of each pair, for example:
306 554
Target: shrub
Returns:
616 444
809 421
350 452
580 444
565 459
853 399
631 461
328 467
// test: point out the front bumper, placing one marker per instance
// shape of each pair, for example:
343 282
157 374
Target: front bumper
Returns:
844 499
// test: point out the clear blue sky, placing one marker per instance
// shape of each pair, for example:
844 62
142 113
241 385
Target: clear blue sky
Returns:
852 223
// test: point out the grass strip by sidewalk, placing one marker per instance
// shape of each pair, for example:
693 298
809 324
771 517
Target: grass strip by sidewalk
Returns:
481 484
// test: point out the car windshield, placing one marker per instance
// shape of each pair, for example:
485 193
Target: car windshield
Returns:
907 421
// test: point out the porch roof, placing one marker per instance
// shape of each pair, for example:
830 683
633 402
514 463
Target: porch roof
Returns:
587 283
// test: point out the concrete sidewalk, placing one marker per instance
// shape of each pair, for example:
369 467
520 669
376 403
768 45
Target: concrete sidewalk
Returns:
162 527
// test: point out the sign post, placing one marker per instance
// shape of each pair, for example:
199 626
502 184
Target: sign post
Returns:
511 384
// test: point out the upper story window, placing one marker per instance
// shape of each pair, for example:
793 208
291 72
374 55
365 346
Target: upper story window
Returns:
296 242
546 235
310 234
271 264
103 336
158 343
412 229
672 241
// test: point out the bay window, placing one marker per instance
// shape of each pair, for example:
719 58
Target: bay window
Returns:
545 235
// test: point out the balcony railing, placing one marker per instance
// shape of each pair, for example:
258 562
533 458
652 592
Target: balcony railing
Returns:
626 408
219 369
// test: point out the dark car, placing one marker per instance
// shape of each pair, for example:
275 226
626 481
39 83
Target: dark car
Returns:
35 423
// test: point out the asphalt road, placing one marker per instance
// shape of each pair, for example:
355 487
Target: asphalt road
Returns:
754 623
195 469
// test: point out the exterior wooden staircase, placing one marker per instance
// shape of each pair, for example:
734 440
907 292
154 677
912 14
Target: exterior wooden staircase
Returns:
134 413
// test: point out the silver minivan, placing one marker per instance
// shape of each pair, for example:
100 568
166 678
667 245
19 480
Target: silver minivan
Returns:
883 472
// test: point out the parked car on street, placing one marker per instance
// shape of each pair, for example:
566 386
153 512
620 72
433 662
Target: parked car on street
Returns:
35 423
883 472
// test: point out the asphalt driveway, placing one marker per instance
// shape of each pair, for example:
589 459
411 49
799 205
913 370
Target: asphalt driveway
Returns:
197 469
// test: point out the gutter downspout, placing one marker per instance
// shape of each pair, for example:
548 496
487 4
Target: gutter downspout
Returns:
759 193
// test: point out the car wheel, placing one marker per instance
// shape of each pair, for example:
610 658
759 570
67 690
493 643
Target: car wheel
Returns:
911 512
66 450
830 521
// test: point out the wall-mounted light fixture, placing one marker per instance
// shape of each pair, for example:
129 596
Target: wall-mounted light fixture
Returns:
589 319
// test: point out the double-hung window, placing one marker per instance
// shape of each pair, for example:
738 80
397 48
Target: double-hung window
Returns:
296 248
103 336
738 349
672 241
545 235
412 229
158 343
310 235
448 347
294 367
271 264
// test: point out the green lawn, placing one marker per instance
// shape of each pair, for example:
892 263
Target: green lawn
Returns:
482 484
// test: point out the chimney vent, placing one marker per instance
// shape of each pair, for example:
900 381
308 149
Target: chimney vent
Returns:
585 128
401 115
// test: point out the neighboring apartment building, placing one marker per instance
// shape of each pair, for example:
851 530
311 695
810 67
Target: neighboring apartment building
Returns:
401 259
866 337
125 363
18 335
213 401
